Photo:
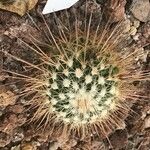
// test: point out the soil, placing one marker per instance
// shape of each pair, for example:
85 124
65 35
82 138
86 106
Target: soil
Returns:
15 134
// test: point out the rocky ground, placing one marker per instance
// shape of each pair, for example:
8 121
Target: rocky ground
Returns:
16 135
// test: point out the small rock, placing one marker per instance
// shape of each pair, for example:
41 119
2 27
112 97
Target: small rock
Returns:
18 136
37 144
127 26
136 37
148 112
141 9
136 23
16 147
54 146
144 56
147 122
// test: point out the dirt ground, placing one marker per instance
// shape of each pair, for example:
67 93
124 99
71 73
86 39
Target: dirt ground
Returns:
16 135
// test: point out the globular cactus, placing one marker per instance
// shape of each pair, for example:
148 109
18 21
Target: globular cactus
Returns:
85 86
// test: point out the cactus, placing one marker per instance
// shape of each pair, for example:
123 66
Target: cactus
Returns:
86 84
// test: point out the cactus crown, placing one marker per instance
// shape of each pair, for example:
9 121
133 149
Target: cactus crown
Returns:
82 87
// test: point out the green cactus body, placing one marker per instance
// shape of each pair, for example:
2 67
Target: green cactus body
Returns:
81 91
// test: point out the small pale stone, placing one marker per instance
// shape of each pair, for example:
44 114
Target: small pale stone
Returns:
127 26
133 30
136 37
147 122
136 23
16 147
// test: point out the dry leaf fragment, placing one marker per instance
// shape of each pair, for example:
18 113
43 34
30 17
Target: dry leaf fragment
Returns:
18 6
6 98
